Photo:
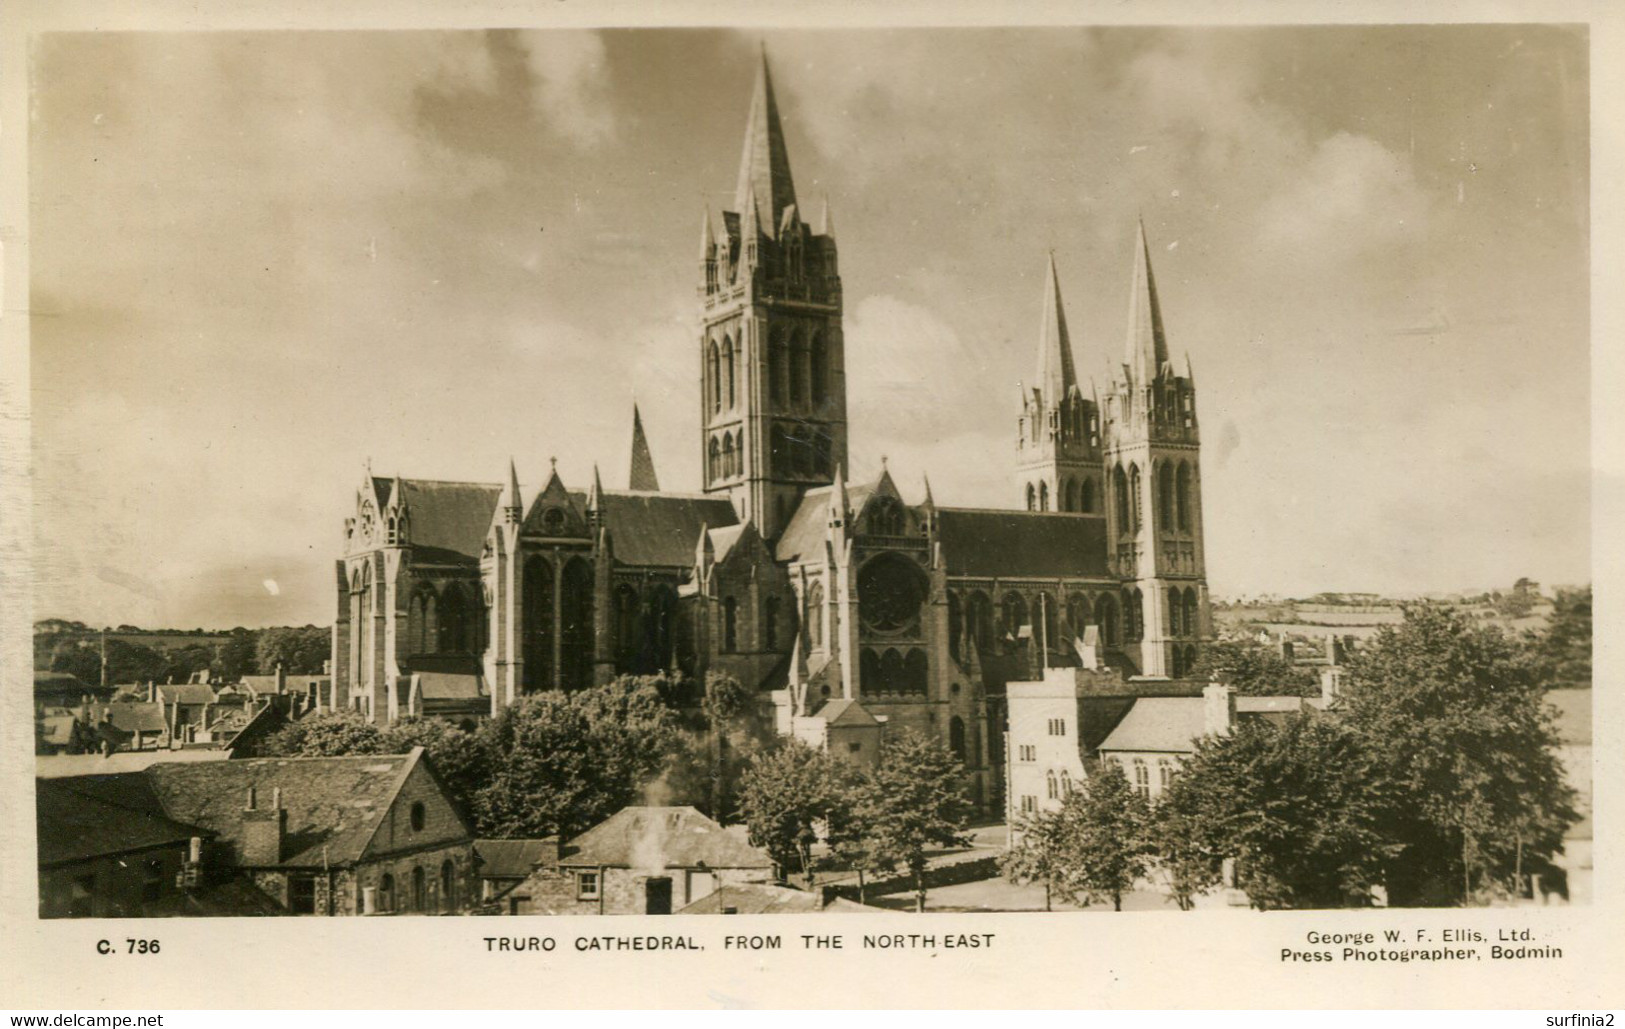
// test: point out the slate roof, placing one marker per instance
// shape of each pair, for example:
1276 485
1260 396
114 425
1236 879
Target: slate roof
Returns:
90 816
293 684
187 693
66 684
675 837
512 859
803 536
660 529
1173 724
767 899
1573 714
845 712
1023 543
334 804
448 520
131 716
448 686
57 766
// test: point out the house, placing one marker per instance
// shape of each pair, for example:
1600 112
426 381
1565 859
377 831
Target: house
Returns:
768 899
127 725
641 861
64 690
503 864
373 834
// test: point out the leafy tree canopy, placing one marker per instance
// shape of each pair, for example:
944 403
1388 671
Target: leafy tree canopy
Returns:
915 799
1255 669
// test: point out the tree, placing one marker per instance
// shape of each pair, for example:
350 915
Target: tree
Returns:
1101 837
1188 868
1301 806
236 657
914 799
1454 714
1562 651
300 651
459 757
1037 854
329 734
563 762
1254 669
785 794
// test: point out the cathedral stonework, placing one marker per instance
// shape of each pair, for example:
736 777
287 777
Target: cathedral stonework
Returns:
853 610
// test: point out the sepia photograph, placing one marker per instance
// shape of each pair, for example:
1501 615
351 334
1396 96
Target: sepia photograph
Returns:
1120 490
551 472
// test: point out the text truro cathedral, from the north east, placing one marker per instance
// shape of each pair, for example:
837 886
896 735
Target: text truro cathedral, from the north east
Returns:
856 608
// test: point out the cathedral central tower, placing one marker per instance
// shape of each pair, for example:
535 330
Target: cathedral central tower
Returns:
772 357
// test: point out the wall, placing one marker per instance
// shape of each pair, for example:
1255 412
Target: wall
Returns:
117 883
1032 705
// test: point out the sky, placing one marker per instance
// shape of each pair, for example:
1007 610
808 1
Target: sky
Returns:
262 260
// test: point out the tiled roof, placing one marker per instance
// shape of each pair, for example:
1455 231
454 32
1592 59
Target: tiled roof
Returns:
663 837
334 804
1023 543
660 529
91 815
512 859
1573 714
187 693
449 520
767 899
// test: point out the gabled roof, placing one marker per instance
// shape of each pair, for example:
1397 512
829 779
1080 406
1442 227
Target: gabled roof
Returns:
334 804
663 837
88 816
293 683
767 899
659 529
448 686
803 536
57 766
448 520
845 713
1022 543
512 859
1168 724
131 716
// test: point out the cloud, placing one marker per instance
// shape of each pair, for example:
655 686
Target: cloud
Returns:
570 83
1351 197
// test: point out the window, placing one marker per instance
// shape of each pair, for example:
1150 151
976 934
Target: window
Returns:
386 893
448 885
1142 779
419 816
1165 773
770 623
586 885
302 894
420 889
730 625
1066 784
1057 727
854 748
1029 805
1028 752
1052 787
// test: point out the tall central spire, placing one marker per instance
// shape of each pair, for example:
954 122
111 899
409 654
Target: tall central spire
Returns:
1147 350
764 168
1056 374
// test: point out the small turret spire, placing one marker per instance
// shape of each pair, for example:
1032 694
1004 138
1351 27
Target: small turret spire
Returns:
764 167
595 495
1056 372
708 239
642 475
509 502
826 220
1146 350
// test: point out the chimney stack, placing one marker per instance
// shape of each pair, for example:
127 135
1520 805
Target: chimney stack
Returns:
1219 709
1331 683
263 831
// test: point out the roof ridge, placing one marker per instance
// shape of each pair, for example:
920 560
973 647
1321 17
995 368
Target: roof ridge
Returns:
452 482
1023 511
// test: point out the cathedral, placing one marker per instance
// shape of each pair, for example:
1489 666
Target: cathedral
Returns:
849 606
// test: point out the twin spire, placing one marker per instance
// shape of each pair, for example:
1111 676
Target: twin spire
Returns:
1145 349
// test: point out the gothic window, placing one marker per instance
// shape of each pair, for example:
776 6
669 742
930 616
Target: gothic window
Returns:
885 517
1134 498
778 361
423 620
1142 779
1120 488
1086 497
869 671
1066 784
713 367
386 893
1051 785
1077 614
1032 498
892 676
1043 496
537 602
1014 615
955 629
798 369
779 450
891 590
715 463
1069 496
1106 618
770 623
956 737
626 621
1183 496
730 388
1171 618
1046 605
916 672
1191 626
819 355
727 455
1165 497
979 620
1165 773
575 625
657 630
420 899
730 625
456 619
1178 669
815 616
